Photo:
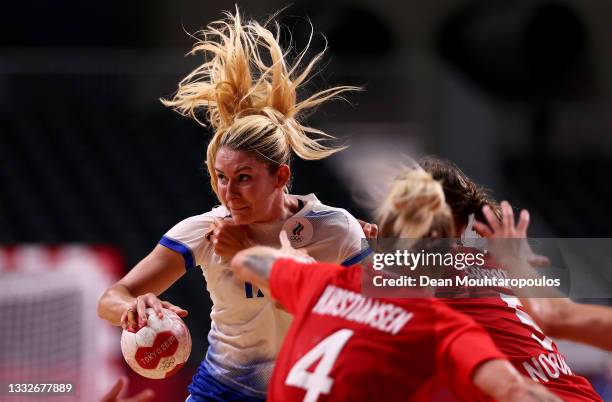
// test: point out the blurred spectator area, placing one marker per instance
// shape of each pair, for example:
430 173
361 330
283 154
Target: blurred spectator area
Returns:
81 164
573 195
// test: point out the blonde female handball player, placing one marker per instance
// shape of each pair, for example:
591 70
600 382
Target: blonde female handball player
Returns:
248 90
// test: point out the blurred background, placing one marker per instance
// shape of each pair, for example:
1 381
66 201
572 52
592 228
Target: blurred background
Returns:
517 93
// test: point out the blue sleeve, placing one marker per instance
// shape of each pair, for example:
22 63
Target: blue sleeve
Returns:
358 257
180 248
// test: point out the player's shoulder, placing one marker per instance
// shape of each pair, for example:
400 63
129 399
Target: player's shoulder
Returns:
200 222
332 234
323 215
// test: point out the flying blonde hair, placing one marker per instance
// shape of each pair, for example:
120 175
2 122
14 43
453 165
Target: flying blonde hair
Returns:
249 92
415 207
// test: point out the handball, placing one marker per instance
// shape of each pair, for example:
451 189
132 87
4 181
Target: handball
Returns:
160 348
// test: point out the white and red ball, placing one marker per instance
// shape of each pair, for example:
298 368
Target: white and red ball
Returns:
160 348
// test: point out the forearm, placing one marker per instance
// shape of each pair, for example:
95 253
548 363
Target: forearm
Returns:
585 323
497 379
257 269
502 382
113 303
559 316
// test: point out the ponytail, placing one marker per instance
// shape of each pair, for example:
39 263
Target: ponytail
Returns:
248 91
415 207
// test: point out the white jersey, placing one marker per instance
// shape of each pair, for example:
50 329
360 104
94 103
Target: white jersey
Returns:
247 328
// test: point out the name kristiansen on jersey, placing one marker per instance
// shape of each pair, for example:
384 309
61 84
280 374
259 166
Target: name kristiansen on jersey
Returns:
338 302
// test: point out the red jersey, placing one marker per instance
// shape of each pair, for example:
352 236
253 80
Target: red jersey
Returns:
517 335
345 346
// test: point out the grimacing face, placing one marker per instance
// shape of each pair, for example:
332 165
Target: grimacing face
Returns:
246 187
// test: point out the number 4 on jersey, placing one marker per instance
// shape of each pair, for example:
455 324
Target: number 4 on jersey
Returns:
318 382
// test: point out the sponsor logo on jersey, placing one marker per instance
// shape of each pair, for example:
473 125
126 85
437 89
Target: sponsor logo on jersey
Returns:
299 231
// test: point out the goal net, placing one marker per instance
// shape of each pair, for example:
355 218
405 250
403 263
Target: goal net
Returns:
50 332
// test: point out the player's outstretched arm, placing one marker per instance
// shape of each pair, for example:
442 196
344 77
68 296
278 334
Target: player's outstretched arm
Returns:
557 315
501 381
125 302
563 318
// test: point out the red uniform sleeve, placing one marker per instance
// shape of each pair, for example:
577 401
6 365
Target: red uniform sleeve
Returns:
292 281
462 347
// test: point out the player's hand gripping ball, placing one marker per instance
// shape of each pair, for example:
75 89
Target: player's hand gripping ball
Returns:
160 348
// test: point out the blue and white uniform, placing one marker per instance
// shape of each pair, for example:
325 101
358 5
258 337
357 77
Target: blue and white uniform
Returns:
247 328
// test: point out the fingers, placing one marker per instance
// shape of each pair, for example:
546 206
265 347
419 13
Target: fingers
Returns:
507 215
113 395
510 230
365 226
367 230
228 238
370 230
114 392
135 317
482 229
303 251
374 230
141 309
211 230
491 219
179 311
218 223
538 261
284 240
523 223
507 227
158 307
131 319
144 396
154 302
124 320
306 257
